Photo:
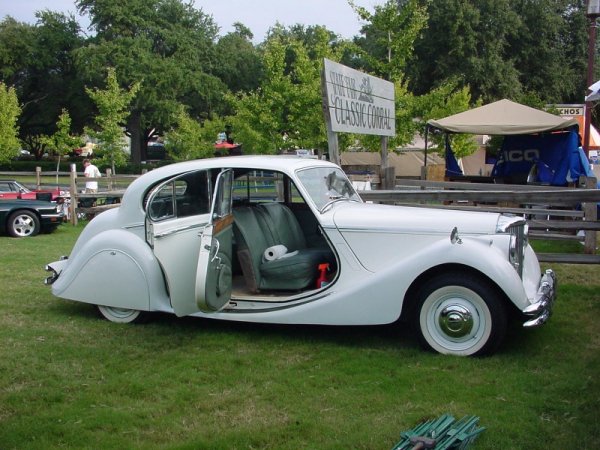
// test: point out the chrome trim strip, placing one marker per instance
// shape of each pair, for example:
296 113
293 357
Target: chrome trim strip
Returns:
177 230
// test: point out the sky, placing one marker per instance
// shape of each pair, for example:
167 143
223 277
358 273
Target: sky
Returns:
258 15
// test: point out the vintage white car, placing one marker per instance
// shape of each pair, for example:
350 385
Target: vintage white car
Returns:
287 240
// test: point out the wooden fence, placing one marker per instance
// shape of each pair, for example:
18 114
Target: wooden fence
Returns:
551 212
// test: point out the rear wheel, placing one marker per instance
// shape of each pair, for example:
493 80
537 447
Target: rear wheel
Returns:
23 223
121 315
460 315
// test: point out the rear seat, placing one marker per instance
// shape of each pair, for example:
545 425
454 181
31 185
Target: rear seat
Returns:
257 228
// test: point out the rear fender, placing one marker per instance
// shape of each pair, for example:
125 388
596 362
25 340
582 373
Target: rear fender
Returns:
114 268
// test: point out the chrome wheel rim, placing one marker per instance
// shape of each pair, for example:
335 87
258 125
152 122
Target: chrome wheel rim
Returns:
23 225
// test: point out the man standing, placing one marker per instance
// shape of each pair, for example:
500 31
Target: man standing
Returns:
90 171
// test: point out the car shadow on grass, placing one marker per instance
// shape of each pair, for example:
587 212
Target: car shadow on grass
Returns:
384 337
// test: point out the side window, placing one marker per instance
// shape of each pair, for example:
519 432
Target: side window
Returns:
187 195
257 186
296 198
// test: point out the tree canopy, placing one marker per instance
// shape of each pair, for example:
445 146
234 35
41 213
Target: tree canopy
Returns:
443 57
9 113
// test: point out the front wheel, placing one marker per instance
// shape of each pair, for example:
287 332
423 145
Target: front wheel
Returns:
460 315
23 223
121 315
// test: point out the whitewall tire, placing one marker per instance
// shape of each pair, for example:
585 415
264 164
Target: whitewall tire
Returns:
460 315
121 315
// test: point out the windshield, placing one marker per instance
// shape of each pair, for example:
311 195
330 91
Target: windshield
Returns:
325 184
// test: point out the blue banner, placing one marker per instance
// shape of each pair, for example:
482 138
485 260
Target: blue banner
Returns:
555 159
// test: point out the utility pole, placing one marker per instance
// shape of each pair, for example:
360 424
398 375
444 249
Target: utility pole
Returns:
593 12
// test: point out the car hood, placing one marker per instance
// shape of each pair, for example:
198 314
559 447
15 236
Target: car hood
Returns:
375 217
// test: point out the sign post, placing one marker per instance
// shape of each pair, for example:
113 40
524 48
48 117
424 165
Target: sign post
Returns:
355 102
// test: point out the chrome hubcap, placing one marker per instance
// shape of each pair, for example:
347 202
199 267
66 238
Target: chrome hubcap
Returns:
456 321
23 225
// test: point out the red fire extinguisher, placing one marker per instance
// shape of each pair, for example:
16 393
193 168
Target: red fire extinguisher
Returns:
322 279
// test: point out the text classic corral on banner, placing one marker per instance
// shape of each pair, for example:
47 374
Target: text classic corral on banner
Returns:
358 102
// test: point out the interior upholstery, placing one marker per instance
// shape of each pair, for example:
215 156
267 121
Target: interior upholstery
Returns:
257 228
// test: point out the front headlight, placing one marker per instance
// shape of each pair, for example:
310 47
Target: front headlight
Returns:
518 229
518 243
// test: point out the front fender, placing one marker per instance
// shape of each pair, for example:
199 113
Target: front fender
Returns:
477 253
114 268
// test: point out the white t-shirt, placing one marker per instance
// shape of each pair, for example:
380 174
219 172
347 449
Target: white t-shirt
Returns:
91 171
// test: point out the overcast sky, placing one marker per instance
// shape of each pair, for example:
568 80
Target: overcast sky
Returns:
258 15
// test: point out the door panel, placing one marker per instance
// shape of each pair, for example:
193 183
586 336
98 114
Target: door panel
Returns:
177 212
214 280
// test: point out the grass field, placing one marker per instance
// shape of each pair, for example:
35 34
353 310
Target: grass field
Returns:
71 380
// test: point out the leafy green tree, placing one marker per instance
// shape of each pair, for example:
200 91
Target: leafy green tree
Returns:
62 142
286 111
238 62
549 49
389 36
468 41
38 61
189 139
516 49
9 113
113 109
446 100
166 43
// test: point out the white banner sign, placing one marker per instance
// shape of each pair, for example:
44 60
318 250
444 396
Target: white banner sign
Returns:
358 102
570 110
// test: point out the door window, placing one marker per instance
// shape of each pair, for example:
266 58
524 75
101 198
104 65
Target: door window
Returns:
187 195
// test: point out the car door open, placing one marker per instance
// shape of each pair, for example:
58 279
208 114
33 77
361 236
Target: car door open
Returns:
190 234
214 271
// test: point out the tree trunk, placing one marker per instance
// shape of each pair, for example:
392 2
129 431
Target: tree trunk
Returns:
135 134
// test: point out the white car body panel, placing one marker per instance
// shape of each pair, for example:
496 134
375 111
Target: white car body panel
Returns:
381 250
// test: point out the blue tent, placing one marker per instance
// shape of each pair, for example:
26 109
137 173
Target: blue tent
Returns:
551 158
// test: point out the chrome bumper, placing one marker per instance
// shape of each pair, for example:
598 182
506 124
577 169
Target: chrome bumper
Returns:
55 268
541 309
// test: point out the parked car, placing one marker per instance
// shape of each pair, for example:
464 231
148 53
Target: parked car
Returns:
12 189
23 218
288 240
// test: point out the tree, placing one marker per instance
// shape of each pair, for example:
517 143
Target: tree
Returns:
467 41
286 111
550 49
166 43
515 49
113 109
38 61
189 139
238 61
9 114
390 33
62 142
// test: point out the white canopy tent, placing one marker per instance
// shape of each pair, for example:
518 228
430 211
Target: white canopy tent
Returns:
503 117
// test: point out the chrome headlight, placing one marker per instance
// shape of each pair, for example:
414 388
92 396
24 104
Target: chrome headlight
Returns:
518 229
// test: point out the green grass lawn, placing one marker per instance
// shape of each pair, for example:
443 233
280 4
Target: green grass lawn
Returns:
71 380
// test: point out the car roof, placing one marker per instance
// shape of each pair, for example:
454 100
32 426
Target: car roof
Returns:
282 163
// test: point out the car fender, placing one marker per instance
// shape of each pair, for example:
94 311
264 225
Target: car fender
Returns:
114 268
469 252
